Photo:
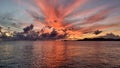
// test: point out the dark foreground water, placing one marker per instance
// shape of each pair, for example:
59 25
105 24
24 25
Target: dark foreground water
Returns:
57 54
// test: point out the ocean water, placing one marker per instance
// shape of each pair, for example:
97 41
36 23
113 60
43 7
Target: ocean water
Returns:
60 54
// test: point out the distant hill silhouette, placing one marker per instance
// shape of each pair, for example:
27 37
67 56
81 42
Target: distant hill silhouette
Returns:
107 37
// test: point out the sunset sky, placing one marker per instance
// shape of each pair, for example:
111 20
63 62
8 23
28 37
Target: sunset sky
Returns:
84 16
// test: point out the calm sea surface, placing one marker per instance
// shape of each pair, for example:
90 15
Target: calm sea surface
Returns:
60 54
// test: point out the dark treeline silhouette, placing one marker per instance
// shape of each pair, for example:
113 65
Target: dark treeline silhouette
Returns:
107 37
98 39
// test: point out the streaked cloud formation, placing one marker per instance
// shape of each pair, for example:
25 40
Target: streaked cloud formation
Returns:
81 17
